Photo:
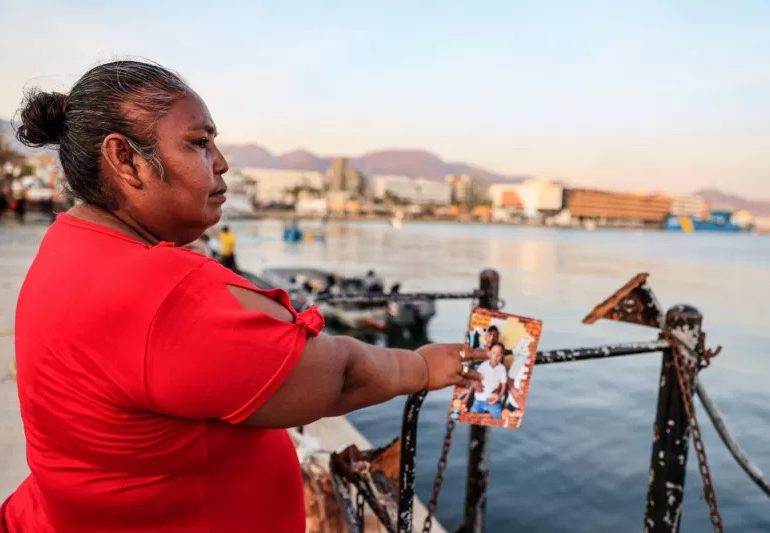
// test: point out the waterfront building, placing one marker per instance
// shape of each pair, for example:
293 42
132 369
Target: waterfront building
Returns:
281 186
617 208
341 176
533 199
689 205
418 191
308 206
467 191
743 218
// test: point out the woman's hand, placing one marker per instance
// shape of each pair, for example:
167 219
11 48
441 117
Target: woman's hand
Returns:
444 364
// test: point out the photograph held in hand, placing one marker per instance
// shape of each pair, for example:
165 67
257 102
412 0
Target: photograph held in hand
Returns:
499 397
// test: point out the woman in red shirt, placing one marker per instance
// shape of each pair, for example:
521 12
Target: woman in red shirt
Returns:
154 382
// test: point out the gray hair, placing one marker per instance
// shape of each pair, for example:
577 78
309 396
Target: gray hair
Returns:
125 97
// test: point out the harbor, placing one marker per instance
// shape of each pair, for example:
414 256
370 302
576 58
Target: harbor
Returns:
585 445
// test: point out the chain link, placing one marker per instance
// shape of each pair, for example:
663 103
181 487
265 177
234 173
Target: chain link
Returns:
439 480
360 510
685 373
442 460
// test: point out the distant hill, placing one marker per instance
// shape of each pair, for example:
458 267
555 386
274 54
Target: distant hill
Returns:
731 202
413 163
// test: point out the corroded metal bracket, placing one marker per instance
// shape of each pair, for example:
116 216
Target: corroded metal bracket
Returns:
374 474
634 302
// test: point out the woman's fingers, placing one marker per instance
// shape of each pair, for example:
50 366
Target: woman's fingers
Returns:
472 354
472 375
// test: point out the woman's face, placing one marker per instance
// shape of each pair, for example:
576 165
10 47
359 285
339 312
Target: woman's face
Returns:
188 199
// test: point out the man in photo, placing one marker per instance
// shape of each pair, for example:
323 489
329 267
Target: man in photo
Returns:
491 337
493 382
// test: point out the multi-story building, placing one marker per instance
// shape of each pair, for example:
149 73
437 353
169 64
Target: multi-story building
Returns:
341 176
690 205
282 186
532 199
467 191
418 191
617 208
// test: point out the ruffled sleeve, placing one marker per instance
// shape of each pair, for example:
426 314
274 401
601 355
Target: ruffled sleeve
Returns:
208 357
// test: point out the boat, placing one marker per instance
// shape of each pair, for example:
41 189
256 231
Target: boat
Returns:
397 221
717 221
354 302
292 233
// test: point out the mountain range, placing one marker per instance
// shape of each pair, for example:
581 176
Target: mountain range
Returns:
731 202
414 163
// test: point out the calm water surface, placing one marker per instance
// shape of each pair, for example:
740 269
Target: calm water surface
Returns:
580 461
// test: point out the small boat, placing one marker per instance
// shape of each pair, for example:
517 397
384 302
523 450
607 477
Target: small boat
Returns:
354 302
397 221
292 233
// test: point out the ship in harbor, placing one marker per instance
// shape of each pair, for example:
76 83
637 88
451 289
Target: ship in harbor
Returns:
716 221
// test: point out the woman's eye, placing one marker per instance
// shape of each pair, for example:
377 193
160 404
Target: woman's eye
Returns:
203 143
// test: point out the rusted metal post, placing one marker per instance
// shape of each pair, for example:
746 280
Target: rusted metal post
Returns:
671 432
478 469
406 467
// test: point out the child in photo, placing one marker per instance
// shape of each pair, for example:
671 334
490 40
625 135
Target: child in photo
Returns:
494 380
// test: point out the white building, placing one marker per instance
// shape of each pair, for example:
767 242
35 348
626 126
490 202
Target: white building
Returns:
689 205
312 207
534 197
277 185
412 190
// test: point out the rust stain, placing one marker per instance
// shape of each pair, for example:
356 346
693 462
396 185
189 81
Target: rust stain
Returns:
634 302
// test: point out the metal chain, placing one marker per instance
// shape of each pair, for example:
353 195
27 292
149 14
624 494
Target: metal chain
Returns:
360 510
442 460
385 297
439 480
686 389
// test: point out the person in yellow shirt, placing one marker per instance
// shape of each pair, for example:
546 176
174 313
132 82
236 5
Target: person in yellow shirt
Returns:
227 248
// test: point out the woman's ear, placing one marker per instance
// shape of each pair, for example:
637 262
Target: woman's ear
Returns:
121 160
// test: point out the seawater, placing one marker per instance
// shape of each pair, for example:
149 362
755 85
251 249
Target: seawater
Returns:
580 460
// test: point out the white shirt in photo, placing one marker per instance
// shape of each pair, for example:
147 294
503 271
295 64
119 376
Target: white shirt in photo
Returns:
491 378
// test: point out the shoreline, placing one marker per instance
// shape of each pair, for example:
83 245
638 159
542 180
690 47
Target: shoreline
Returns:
285 215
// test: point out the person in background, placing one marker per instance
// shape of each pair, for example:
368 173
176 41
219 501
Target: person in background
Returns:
372 283
3 202
19 200
493 380
47 205
485 340
156 385
227 248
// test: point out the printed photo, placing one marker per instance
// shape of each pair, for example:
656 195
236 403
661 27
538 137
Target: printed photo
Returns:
510 342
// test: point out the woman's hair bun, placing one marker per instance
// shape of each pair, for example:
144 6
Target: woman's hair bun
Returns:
42 118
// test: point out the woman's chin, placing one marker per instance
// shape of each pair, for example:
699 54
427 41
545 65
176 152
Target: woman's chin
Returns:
214 215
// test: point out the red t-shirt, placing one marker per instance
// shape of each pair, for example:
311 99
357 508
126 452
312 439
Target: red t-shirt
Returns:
135 365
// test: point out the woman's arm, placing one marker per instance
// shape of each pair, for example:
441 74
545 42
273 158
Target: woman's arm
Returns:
338 374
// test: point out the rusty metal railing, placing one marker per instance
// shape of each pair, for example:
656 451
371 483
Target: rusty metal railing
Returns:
681 342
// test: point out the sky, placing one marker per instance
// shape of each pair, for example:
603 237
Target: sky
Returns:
670 96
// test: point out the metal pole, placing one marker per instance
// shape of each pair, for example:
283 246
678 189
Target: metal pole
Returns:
406 467
671 432
567 355
478 470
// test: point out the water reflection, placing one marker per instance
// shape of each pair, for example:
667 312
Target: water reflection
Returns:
585 443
